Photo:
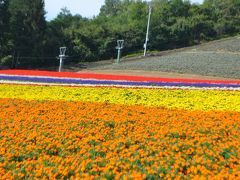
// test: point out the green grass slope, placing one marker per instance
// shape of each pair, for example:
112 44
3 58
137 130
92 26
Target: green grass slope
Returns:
219 58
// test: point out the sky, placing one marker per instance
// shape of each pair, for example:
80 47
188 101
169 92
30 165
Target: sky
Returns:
86 8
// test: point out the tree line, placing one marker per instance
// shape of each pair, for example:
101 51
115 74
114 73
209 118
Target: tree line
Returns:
27 40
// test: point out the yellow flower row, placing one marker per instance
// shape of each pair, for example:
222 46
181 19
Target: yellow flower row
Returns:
181 99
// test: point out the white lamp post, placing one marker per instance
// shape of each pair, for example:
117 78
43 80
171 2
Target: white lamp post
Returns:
119 48
147 34
61 57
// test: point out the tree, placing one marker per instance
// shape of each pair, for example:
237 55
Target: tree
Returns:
28 26
224 14
111 8
4 26
67 30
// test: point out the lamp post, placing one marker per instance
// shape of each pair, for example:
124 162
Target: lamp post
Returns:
119 48
147 34
61 57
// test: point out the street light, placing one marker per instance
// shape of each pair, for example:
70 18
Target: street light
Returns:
147 34
119 47
61 57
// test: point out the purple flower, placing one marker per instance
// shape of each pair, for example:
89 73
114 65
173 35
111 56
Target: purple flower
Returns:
113 82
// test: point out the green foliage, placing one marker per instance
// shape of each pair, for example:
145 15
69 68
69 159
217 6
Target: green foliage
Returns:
4 27
27 27
6 61
111 8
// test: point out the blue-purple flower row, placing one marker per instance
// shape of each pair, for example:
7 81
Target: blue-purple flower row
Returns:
112 82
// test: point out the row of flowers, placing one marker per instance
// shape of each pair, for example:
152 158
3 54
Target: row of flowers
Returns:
175 98
101 79
111 82
63 140
56 132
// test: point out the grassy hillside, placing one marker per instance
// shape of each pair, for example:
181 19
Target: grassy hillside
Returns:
218 58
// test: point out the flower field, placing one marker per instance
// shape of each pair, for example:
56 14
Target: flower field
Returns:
88 126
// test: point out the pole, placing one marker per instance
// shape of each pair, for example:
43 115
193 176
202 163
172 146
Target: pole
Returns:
61 63
61 57
119 48
118 57
147 34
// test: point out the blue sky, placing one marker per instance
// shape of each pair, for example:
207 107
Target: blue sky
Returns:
86 8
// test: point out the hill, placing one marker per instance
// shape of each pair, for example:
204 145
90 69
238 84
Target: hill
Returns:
219 59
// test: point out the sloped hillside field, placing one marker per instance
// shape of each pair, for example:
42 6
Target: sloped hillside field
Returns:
91 126
225 65
217 59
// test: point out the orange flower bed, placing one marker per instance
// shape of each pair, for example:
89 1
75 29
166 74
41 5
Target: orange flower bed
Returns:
60 139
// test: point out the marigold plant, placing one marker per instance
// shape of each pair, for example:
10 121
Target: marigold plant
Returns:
49 132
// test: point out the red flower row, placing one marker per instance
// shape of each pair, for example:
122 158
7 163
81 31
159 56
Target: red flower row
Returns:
113 77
